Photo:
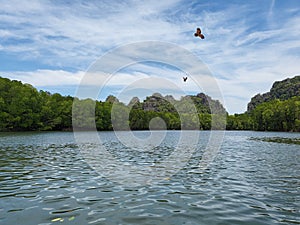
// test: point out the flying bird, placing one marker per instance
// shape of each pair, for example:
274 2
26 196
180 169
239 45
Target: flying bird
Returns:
184 79
198 33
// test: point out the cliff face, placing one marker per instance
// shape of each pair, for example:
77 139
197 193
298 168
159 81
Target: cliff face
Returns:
159 103
282 90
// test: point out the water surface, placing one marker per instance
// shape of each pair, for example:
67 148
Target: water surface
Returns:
44 179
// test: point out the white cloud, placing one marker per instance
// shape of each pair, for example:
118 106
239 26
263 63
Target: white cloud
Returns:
246 47
45 78
84 31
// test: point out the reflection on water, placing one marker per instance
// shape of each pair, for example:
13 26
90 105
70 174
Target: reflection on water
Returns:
44 179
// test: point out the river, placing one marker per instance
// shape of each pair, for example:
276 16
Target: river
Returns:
50 178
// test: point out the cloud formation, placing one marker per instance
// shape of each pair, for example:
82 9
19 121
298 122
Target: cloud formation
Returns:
246 46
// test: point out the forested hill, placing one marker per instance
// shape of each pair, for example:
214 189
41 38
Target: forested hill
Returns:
24 108
158 103
282 90
276 110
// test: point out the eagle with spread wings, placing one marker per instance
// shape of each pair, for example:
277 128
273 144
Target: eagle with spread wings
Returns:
199 34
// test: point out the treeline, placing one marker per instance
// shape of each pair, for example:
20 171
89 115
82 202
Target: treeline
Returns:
276 110
282 90
118 116
275 115
24 108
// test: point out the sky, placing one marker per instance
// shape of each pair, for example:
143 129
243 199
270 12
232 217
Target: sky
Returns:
248 45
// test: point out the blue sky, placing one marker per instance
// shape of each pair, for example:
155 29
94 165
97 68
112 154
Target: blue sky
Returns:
248 44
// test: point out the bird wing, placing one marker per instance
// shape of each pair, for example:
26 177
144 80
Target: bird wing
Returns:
198 33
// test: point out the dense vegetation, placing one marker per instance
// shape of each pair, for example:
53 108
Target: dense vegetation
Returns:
275 115
24 108
277 110
282 90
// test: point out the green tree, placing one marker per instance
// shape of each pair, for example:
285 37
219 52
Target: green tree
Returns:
120 116
137 119
103 115
83 114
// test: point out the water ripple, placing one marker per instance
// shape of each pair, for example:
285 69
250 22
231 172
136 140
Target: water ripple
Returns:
45 180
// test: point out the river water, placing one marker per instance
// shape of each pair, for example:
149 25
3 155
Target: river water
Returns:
46 178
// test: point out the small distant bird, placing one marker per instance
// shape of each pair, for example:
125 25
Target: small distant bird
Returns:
198 33
184 79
